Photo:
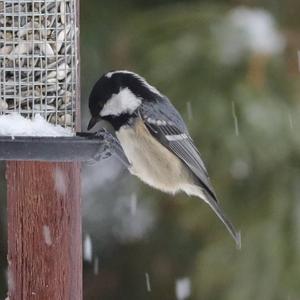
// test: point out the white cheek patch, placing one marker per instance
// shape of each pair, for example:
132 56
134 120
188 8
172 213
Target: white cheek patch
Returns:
123 102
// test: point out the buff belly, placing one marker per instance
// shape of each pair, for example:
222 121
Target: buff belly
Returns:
151 161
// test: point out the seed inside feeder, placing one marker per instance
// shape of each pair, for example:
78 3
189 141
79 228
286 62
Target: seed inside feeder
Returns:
38 59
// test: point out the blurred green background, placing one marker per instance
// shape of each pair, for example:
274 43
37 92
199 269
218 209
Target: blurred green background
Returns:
231 69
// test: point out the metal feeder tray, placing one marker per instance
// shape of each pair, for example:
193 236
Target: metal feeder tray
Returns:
89 147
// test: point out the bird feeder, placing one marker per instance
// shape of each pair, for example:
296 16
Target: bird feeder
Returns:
39 75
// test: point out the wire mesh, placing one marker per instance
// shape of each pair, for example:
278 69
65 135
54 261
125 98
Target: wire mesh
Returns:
38 59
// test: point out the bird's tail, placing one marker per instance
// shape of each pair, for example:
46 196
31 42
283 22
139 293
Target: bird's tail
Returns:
216 207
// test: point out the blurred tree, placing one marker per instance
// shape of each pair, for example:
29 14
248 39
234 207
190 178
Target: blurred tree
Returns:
244 120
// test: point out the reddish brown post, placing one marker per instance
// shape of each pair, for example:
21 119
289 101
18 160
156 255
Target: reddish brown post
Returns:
44 205
44 231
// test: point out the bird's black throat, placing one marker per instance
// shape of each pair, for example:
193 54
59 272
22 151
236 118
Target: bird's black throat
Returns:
118 121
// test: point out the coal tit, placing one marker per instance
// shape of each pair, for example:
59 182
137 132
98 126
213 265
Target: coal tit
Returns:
154 138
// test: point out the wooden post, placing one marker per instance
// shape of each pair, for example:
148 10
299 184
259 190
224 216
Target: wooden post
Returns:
44 224
44 231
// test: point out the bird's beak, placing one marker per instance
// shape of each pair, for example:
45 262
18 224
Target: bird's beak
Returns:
93 122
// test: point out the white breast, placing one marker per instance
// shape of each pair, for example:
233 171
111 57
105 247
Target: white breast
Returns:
152 162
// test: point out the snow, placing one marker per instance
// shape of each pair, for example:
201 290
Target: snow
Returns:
96 266
87 249
298 55
236 123
47 235
148 285
15 125
133 204
60 181
183 288
10 280
189 110
291 121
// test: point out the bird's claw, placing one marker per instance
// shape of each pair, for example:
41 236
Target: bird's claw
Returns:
110 147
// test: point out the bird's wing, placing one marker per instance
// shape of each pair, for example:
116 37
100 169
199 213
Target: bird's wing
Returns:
167 126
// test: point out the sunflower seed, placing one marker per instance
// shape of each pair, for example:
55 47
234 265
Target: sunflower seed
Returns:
3 105
37 64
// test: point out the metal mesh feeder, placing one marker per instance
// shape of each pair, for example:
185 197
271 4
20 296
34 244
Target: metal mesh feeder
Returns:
38 59
39 74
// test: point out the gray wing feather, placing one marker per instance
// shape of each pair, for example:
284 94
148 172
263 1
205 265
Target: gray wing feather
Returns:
167 126
171 124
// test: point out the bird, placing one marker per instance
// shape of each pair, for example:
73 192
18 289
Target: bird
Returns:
154 138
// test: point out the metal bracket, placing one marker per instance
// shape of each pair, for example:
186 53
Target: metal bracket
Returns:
82 147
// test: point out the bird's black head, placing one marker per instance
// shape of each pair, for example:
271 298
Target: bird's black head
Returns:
117 95
102 91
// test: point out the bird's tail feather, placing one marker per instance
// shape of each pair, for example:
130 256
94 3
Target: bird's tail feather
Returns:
209 198
216 207
220 213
